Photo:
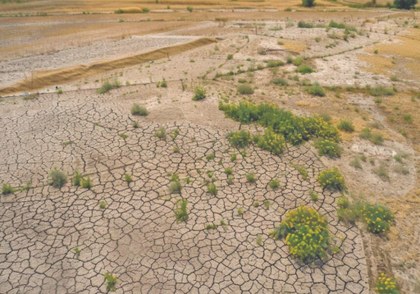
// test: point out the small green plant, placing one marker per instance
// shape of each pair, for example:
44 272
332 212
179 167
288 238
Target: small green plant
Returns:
228 171
77 178
355 162
229 57
239 139
296 61
304 69
229 180
245 89
162 84
386 285
211 156
77 251
279 82
302 171
174 134
240 211
190 8
233 157
305 232
108 86
332 179
123 136
86 183
57 178
316 90
348 212
259 240
175 184
250 178
199 93
305 25
7 189
267 204
212 189
139 110
211 226
378 218
328 148
110 281
314 196
274 184
102 204
346 126
181 213
127 178
59 91
161 133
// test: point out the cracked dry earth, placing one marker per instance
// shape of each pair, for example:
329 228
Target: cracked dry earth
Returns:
136 237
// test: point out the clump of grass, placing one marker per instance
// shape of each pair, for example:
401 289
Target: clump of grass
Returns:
279 82
296 61
110 281
181 213
228 171
102 204
381 91
332 179
382 172
345 126
304 69
316 90
305 25
250 178
211 156
274 184
212 189
108 86
57 178
128 178
162 84
233 157
7 189
175 184
240 211
139 110
239 139
375 138
86 183
199 93
77 178
302 171
259 240
328 148
161 133
267 204
245 89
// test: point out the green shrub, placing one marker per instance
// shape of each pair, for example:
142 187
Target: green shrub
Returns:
378 218
345 126
111 282
304 69
161 133
274 63
108 86
245 89
77 178
279 82
271 142
316 90
328 148
228 171
306 234
212 189
240 139
250 177
86 183
274 184
381 91
332 179
57 178
305 25
181 213
314 196
139 110
386 285
368 134
7 189
199 93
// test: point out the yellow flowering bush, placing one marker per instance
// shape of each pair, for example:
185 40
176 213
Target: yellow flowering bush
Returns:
240 139
271 142
386 285
378 218
305 232
332 179
328 148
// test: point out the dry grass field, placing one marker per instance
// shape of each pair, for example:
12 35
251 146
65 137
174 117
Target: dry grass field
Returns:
128 166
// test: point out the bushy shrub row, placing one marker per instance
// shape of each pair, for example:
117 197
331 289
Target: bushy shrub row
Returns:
294 129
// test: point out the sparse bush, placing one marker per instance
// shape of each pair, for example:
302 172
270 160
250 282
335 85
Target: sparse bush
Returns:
7 189
386 285
274 63
332 179
161 133
345 126
199 93
305 25
328 148
271 142
212 189
316 90
279 82
274 184
245 89
314 196
108 86
77 178
382 172
181 213
297 61
228 171
304 69
211 226
57 178
306 234
240 139
381 91
373 137
86 183
111 282
250 177
139 110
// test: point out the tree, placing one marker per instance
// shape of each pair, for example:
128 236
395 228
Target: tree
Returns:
309 3
404 4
